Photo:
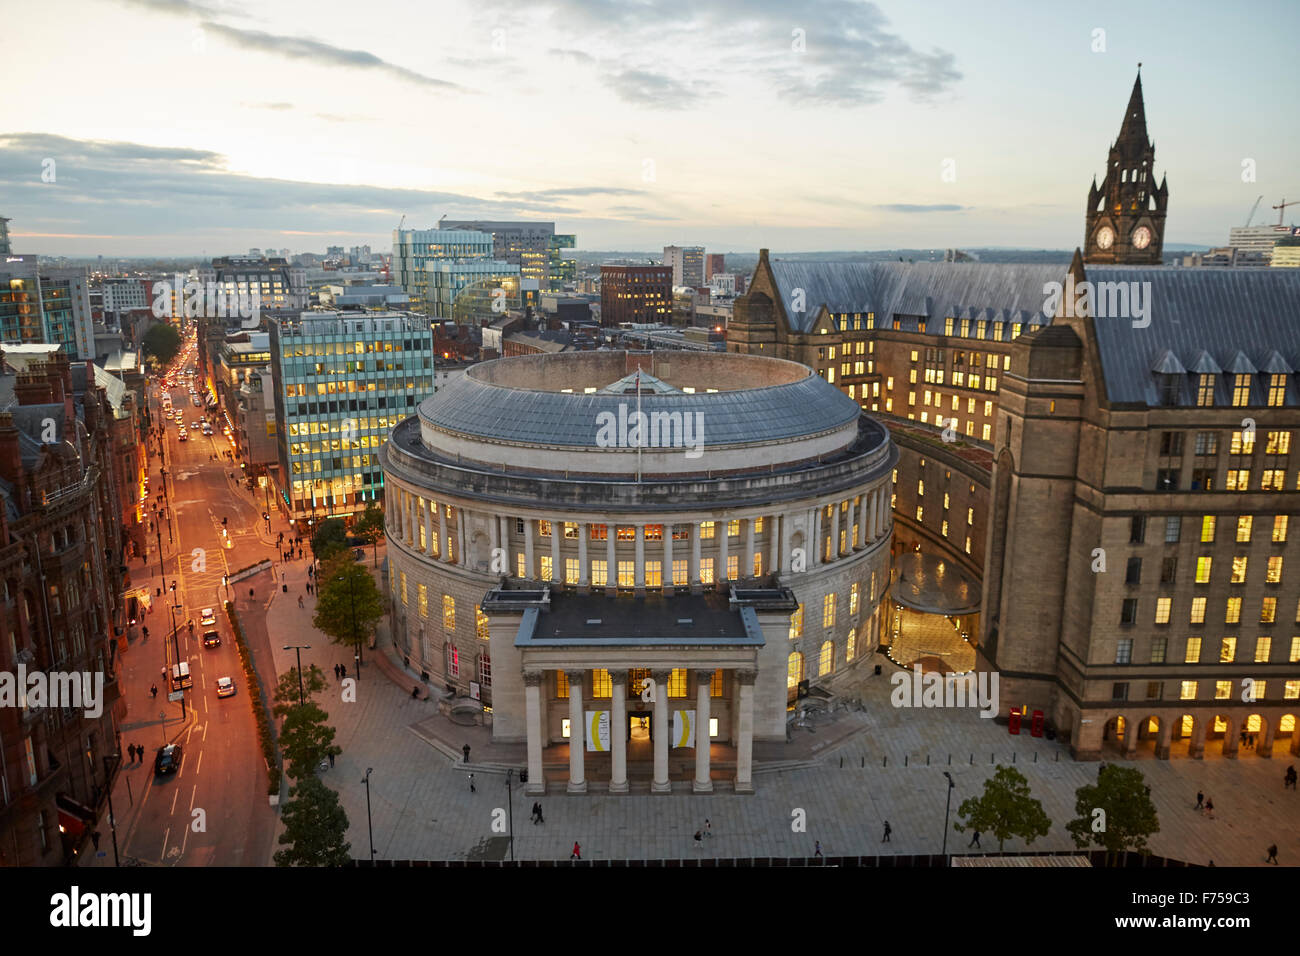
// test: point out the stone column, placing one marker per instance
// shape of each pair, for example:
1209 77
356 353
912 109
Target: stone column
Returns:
835 530
785 544
618 732
557 571
775 528
1196 746
444 545
1231 736
661 730
494 532
1132 728
703 782
533 717
505 542
462 557
850 544
747 569
695 563
668 559
745 745
1264 748
528 549
408 517
816 557
611 575
584 573
721 529
427 518
577 729
639 580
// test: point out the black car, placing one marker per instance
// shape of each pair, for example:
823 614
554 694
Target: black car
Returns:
211 639
168 760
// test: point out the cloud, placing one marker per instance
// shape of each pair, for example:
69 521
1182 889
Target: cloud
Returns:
576 55
655 90
546 195
300 48
915 207
179 7
268 106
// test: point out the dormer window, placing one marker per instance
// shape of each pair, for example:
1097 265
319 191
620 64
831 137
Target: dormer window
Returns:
1276 390
1169 388
1205 390
1240 391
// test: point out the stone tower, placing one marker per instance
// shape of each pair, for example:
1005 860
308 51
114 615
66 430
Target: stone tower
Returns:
1126 214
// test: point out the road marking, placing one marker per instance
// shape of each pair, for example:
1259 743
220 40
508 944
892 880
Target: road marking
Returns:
175 794
193 793
205 733
199 768
166 834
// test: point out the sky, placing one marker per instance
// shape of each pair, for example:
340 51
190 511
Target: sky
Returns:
201 127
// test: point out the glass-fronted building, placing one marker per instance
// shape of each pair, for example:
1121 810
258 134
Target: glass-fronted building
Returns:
414 249
45 305
343 380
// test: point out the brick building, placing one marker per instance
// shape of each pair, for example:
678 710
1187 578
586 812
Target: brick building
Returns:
640 294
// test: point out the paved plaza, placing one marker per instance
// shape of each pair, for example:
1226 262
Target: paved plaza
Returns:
847 777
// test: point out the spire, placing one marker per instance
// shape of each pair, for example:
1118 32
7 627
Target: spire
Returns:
1134 126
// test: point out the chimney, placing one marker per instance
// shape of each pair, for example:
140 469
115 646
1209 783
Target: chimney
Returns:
32 387
11 461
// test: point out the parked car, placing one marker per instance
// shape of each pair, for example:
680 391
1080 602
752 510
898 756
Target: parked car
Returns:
168 760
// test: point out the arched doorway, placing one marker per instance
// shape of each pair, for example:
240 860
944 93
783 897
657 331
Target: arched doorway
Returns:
1218 735
1113 737
1181 733
1148 735
1251 734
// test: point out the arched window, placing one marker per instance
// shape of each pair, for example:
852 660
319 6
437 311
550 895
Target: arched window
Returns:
448 613
794 670
851 649
827 663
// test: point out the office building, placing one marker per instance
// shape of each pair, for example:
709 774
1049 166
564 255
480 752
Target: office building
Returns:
640 294
714 263
687 264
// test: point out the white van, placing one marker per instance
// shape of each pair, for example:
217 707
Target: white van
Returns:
181 676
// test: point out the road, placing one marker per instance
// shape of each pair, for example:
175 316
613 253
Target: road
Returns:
213 811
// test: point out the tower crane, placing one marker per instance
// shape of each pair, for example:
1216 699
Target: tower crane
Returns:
1252 212
1282 208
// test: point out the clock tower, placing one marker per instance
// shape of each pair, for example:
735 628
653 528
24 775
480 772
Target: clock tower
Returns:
1126 214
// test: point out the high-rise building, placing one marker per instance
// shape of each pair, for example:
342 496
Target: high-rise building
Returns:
714 262
276 283
4 236
343 380
1257 239
532 246
1126 214
434 265
43 304
687 263
636 294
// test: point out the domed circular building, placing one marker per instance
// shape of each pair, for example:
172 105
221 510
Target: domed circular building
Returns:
633 552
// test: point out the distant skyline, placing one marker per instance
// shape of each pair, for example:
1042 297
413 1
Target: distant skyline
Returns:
198 127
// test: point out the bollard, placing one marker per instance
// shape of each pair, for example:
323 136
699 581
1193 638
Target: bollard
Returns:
1013 756
990 758
864 761
841 763
885 761
949 760
1035 756
927 760
905 756
972 760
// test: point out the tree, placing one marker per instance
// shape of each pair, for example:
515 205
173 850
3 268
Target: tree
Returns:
315 827
286 692
1126 818
371 527
1005 809
162 342
348 605
306 739
330 538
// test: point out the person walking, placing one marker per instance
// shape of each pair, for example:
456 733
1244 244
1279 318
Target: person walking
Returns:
888 830
94 839
537 809
817 849
1200 801
577 851
540 818
300 604
153 691
974 841
331 759
699 840
708 829
336 672
1209 808
343 670
471 784
130 749
1272 855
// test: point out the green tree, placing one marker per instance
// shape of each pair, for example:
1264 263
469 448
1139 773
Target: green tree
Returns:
306 739
286 692
1005 809
315 827
162 342
371 527
1127 814
330 538
348 605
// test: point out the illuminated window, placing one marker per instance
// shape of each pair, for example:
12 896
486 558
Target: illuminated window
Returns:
851 647
706 570
1193 654
654 574
625 532
1187 690
758 564
1162 610
1239 569
544 528
1268 610
1241 391
1263 645
1274 575
601 684
1243 443
1205 390
1233 613
1228 650
570 570
826 664
448 613
599 573
654 532
853 599
422 596
715 690
1207 528
481 622
677 682
1203 565
796 623
706 530
1237 479
453 661
794 670
1276 390
828 610
1291 689
1222 689
598 532
561 685
521 565
1294 655
627 574
547 568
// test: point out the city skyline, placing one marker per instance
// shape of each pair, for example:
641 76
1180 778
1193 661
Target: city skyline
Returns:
632 126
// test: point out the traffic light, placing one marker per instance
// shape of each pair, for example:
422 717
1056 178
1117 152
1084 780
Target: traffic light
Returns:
224 520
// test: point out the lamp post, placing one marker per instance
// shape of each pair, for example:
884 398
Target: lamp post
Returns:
299 648
112 817
176 645
510 802
369 826
946 808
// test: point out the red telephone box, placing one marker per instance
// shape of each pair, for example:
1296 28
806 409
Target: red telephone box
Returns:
1013 721
1036 729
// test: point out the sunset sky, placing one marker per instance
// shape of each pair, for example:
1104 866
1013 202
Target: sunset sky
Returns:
185 128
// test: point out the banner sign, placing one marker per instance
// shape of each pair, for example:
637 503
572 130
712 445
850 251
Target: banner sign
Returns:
683 728
598 730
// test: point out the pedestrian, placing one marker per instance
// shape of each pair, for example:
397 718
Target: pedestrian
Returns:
331 758
94 838
699 840
130 748
145 631
536 810
153 690
577 851
300 604
888 830
343 670
708 829
1243 739
540 818
817 850
1272 854
336 672
1209 808
974 841
1200 800
471 784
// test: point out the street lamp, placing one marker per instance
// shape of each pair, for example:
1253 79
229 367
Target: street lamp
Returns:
299 648
946 808
510 802
176 646
369 825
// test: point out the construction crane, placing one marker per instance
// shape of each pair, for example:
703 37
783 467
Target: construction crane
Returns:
1282 208
403 222
1252 212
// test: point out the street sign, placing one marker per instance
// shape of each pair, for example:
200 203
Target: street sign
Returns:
176 696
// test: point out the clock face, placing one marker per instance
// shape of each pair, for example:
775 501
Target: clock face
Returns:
1141 237
1105 237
